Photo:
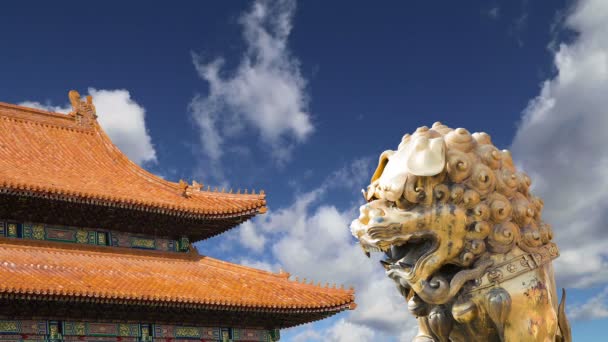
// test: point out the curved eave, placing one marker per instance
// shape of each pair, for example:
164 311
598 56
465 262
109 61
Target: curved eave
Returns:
132 204
30 294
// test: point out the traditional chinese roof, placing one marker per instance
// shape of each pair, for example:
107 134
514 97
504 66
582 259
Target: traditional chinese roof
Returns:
81 274
56 163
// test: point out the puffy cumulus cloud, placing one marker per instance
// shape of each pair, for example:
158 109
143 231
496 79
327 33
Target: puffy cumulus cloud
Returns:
595 308
250 238
266 92
309 233
121 117
561 142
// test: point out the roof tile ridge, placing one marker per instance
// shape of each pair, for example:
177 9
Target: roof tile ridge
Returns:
30 109
126 161
41 117
206 258
86 249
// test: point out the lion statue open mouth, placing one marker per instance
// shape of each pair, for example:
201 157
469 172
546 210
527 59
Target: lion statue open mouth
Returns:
463 238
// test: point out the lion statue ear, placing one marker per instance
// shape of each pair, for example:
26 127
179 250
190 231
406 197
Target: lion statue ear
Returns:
381 164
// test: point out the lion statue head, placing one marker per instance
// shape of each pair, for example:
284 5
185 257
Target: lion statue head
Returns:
445 207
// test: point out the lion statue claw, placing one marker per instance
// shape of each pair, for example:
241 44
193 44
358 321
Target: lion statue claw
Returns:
464 240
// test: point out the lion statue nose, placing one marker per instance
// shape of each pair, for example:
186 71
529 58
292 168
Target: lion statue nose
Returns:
369 214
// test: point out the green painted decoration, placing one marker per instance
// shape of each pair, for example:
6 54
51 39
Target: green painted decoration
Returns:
59 331
99 237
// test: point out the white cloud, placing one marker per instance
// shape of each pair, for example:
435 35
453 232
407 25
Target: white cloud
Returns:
260 265
121 117
309 233
250 238
595 308
46 106
266 92
561 143
345 331
341 331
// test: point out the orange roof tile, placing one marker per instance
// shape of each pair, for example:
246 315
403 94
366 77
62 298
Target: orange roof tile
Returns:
88 272
57 156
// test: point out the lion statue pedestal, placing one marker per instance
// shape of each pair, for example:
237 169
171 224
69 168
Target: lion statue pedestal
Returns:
464 239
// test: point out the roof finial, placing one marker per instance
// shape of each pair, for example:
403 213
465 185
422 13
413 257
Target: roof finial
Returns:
230 191
74 97
253 191
238 191
83 111
183 187
196 185
245 191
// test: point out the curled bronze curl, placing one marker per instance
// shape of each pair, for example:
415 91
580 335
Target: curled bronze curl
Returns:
460 139
481 212
531 235
479 230
459 166
470 198
506 182
500 208
523 210
482 138
546 232
441 128
414 189
490 155
456 193
537 204
482 180
507 161
503 237
441 192
524 183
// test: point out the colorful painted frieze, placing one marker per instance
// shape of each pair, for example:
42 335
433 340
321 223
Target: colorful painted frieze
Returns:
39 231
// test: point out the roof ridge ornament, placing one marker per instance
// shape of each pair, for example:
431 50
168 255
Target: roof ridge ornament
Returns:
83 112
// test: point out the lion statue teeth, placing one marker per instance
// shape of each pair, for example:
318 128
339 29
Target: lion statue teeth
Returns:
464 239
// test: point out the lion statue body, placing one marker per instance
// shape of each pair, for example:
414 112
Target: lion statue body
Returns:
464 239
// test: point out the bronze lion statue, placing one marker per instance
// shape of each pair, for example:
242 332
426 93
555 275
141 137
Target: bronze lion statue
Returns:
464 239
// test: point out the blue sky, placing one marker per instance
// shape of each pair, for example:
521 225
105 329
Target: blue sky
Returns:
299 99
